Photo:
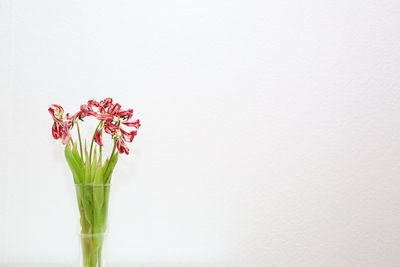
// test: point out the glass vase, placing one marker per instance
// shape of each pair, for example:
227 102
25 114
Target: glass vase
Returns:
93 209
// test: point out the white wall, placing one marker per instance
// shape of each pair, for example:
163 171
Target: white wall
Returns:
271 129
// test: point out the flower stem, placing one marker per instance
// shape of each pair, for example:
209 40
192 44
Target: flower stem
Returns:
112 154
113 150
91 145
79 137
115 146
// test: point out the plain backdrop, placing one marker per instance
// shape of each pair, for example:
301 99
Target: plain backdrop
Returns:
270 130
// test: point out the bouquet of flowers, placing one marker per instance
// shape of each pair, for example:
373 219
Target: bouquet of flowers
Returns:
92 174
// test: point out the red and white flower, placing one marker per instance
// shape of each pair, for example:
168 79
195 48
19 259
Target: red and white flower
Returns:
62 124
111 116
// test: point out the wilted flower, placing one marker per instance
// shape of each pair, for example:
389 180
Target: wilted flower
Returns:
62 124
121 146
111 116
97 137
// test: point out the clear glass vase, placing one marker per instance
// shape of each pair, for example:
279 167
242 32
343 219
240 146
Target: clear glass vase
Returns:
93 209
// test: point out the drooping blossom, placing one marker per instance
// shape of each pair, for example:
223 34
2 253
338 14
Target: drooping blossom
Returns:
62 124
57 112
110 128
121 135
121 146
111 115
135 124
97 137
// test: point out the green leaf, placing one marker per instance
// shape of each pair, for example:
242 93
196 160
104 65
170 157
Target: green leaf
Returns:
87 167
98 177
109 167
93 166
79 161
75 164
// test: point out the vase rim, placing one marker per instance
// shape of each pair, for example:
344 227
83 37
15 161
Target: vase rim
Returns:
92 184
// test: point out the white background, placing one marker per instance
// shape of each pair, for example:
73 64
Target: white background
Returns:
270 137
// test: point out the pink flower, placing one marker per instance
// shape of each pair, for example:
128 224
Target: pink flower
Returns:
106 102
121 146
65 133
135 124
114 109
73 117
128 136
125 114
86 110
102 114
111 115
62 124
56 112
97 137
110 128
56 131
92 103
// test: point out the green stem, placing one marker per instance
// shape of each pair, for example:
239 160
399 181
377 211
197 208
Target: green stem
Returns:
91 145
115 146
100 154
79 137
112 154
113 150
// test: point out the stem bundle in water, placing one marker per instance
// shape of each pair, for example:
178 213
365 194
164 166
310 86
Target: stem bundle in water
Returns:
93 208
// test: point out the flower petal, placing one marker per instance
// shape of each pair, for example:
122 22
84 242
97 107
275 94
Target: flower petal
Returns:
121 146
104 117
110 128
128 136
52 112
114 109
135 124
97 137
55 131
65 133
106 102
92 103
60 108
125 114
